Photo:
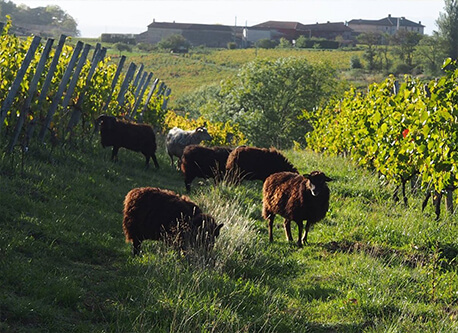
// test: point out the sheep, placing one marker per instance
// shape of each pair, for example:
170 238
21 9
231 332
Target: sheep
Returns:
177 139
296 198
123 134
253 163
203 162
160 214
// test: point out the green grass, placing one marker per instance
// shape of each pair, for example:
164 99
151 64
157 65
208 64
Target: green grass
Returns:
186 72
371 265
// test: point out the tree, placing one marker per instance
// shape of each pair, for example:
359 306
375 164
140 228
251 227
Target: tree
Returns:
268 97
301 42
266 43
51 19
284 44
429 54
371 40
122 47
406 42
175 43
448 28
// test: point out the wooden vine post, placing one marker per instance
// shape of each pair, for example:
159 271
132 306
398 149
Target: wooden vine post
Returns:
148 98
17 81
58 96
114 82
142 93
125 84
30 94
45 87
98 56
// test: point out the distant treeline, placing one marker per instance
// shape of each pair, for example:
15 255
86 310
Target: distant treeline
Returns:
44 21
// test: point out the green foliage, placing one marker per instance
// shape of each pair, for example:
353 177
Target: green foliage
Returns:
406 42
355 62
51 20
429 54
174 42
371 40
301 42
267 98
96 92
231 45
121 47
316 43
397 130
370 266
448 28
266 43
147 47
284 44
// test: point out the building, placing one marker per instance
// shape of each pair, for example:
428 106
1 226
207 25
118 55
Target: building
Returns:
389 25
281 29
328 30
214 35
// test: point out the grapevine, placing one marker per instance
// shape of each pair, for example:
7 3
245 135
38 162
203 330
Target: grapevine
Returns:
399 130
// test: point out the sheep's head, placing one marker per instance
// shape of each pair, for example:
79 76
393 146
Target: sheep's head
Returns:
202 133
207 230
317 182
106 121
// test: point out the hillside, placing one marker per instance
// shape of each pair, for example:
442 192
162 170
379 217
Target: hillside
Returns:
187 72
371 265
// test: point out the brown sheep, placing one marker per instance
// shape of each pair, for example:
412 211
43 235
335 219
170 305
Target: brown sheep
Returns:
158 214
296 198
203 162
123 134
253 163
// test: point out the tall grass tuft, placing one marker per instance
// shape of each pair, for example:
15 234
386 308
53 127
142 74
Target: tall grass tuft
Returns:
195 292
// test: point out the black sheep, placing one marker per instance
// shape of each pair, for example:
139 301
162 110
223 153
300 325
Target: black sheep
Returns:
123 134
203 162
253 163
296 198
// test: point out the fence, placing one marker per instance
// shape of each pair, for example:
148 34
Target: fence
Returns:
135 79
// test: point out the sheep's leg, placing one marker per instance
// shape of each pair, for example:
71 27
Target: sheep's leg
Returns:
171 159
156 164
287 226
307 227
300 228
114 154
187 183
136 247
271 225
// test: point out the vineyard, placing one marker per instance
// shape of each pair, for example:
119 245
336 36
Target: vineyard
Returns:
55 94
402 130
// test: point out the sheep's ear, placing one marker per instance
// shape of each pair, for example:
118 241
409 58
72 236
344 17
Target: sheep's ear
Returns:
306 175
327 179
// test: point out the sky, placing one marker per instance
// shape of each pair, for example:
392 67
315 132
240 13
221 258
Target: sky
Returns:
133 16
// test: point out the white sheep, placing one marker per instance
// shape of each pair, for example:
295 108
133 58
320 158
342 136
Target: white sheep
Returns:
177 139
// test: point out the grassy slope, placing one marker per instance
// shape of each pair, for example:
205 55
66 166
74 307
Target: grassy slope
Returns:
185 73
370 266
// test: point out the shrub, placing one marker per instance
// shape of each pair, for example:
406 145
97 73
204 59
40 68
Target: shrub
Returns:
231 46
266 43
355 62
222 133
